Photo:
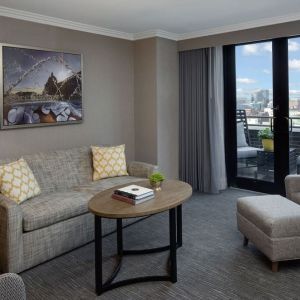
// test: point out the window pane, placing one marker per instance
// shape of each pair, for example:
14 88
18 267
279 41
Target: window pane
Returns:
254 110
294 103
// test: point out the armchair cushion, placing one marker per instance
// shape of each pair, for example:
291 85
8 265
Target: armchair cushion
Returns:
275 215
12 287
292 187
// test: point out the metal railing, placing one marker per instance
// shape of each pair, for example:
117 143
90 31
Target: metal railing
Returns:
268 121
294 122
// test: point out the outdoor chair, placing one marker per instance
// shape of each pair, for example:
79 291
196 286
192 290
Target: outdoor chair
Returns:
246 154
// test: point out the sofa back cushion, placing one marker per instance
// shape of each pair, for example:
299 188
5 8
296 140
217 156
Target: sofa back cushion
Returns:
61 169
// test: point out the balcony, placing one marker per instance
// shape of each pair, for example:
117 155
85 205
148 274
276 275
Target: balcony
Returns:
252 168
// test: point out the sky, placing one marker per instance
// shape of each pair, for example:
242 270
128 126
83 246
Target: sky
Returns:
254 68
30 69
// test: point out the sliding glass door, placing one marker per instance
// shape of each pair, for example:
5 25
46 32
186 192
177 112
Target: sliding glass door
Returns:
294 104
262 90
254 110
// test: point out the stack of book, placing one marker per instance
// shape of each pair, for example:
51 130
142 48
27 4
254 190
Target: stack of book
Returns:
133 194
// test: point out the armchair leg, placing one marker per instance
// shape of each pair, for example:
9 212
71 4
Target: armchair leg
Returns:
275 265
246 241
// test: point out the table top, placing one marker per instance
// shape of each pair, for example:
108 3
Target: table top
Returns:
262 150
172 194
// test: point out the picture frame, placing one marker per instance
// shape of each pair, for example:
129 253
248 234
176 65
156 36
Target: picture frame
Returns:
39 87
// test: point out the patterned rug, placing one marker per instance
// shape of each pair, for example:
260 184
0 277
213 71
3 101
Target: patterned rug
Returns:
212 264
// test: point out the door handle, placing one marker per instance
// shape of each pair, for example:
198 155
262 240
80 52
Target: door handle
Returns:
290 121
271 124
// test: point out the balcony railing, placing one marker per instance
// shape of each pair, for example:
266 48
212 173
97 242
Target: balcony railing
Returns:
256 123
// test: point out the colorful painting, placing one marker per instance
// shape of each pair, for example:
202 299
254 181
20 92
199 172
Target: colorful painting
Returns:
40 87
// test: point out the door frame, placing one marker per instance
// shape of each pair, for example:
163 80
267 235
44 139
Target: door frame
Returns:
281 123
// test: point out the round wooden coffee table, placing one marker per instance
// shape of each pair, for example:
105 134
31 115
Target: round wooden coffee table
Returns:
171 197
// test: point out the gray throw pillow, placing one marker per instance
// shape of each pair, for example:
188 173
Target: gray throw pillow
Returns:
240 135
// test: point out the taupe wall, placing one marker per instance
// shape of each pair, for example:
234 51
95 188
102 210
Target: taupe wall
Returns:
108 98
130 90
145 104
156 104
168 107
130 95
255 34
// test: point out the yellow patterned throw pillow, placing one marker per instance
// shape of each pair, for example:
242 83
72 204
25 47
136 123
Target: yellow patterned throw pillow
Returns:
109 162
17 181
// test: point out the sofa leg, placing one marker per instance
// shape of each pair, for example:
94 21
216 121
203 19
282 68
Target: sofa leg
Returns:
246 241
275 265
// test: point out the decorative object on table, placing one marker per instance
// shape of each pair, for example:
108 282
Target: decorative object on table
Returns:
266 136
109 162
133 194
40 87
156 180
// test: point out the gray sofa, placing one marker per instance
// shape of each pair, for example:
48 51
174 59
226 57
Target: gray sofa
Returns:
57 220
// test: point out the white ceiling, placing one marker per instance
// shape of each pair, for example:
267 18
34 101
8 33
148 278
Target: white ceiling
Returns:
133 19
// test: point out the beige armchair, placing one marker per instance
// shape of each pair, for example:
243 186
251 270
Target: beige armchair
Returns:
292 188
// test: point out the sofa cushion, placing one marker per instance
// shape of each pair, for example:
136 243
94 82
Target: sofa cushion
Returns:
275 215
50 208
61 169
107 183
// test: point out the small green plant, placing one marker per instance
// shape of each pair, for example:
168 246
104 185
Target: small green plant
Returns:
265 134
157 177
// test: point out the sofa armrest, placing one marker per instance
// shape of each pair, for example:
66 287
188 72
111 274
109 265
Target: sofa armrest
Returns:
12 287
141 169
292 185
11 240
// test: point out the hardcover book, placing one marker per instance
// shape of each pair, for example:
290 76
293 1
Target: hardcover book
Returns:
134 191
131 201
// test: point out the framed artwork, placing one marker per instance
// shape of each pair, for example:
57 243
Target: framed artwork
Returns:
39 87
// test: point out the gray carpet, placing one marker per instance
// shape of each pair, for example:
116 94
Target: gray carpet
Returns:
212 264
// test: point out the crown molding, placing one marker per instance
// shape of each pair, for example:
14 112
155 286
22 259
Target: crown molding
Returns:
240 26
42 19
155 33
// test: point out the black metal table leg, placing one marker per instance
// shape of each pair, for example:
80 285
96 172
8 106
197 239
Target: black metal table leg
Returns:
173 246
175 233
98 254
179 226
119 237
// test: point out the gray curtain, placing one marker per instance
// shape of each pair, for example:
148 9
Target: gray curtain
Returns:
201 119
